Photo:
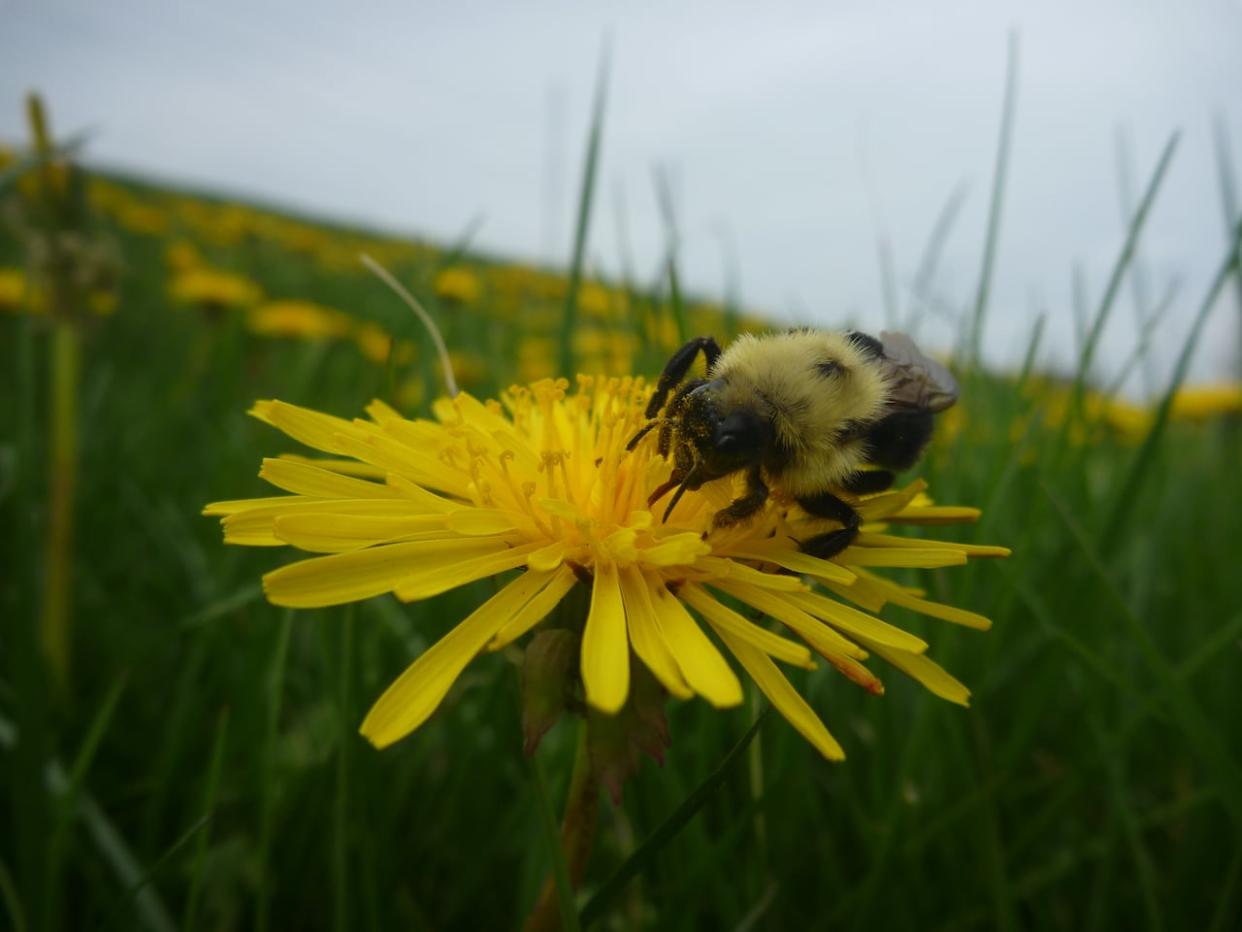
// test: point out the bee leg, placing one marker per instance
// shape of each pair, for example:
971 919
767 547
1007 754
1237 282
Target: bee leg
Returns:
827 505
678 365
674 412
746 506
667 422
642 432
865 482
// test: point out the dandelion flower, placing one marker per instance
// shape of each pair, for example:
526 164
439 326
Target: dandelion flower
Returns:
298 319
1204 402
457 285
541 483
213 289
16 294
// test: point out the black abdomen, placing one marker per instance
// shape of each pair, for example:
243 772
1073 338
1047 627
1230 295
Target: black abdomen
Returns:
896 440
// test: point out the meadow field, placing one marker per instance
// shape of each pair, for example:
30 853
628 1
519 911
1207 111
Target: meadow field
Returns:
177 753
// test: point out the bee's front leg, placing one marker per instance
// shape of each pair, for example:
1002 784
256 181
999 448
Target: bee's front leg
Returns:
827 505
678 365
746 506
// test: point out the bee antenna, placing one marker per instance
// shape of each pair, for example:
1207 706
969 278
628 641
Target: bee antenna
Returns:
642 432
659 492
681 490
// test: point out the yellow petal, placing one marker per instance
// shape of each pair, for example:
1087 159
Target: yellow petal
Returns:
257 526
936 514
705 670
900 556
856 623
348 577
536 609
922 668
381 411
864 592
676 550
880 507
434 579
893 540
731 569
304 479
951 613
477 522
321 533
823 640
797 561
838 651
605 651
780 693
549 556
343 466
419 464
645 636
237 505
312 428
724 619
417 692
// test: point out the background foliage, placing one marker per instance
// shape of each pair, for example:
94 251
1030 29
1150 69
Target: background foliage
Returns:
195 764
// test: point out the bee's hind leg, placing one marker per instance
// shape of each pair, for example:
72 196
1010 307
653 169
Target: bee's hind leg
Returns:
678 365
746 506
827 505
867 481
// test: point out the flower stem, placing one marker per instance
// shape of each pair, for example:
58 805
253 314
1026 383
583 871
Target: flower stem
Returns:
577 836
62 479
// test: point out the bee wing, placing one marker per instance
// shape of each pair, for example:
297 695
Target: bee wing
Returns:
917 381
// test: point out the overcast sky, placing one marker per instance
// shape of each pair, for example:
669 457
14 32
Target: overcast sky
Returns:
795 136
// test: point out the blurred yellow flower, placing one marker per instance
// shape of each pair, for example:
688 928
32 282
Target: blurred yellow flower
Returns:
13 293
213 289
593 300
301 319
1202 402
373 342
543 484
181 255
457 285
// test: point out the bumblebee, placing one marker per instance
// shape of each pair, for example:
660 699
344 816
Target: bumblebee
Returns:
810 413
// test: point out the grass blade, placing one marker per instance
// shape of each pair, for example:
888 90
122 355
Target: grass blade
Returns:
637 862
998 196
1204 738
209 808
1229 205
340 845
1143 459
1124 260
582 228
267 802
552 837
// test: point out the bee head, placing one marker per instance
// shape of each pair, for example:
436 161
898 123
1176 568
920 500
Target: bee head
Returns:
724 441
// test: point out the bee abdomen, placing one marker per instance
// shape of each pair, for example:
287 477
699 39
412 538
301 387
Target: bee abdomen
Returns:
897 440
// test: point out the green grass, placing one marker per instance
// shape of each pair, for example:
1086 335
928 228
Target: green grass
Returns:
205 763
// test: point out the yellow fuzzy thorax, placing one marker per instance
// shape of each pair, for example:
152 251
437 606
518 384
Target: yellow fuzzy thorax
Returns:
805 407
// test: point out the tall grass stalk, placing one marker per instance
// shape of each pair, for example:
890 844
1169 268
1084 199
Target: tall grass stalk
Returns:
582 228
